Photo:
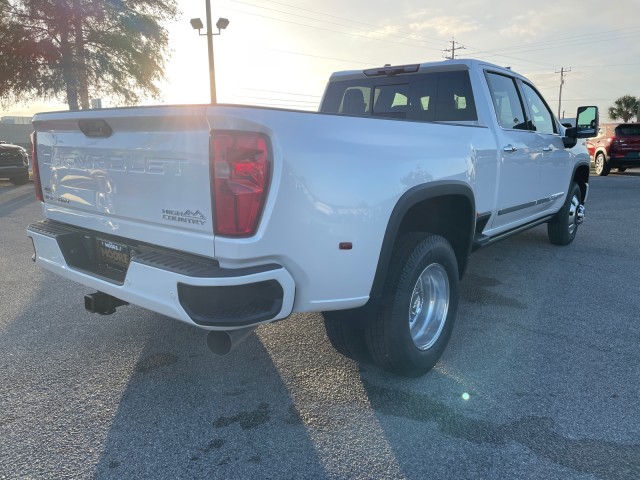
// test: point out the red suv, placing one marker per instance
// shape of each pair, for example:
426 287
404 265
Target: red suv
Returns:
617 145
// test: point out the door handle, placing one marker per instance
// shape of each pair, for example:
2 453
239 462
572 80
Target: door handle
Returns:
509 148
547 149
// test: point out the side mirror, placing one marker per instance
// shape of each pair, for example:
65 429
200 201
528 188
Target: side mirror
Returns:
586 126
587 122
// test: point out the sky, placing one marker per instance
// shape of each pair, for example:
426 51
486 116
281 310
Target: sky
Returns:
281 53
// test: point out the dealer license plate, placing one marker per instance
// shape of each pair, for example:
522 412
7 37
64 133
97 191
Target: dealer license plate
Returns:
113 254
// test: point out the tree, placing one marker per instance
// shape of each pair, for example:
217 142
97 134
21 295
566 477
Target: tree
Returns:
625 108
78 49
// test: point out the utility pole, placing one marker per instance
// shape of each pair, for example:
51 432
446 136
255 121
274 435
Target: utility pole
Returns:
212 74
452 50
561 72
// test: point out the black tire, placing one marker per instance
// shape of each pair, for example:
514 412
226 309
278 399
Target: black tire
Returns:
601 166
347 338
389 337
622 169
563 227
21 180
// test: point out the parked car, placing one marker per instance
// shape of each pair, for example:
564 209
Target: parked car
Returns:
617 145
14 163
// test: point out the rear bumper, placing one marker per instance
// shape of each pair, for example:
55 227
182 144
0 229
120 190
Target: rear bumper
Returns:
628 160
192 289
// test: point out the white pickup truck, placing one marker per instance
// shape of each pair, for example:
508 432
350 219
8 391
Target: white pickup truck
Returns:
227 217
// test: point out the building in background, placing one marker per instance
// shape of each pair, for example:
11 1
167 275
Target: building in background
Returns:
16 130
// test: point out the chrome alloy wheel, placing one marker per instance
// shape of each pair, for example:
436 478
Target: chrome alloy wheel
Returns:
576 214
599 164
429 306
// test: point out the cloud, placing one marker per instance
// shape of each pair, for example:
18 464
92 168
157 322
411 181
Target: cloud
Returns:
381 32
530 25
443 25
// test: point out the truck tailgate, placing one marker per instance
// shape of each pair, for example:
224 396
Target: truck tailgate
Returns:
140 173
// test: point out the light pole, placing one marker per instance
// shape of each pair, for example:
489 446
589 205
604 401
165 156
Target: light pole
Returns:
221 24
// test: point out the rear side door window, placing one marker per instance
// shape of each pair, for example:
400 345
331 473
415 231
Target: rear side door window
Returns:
541 117
507 102
454 99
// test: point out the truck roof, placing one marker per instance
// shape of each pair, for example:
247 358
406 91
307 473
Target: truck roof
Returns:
446 65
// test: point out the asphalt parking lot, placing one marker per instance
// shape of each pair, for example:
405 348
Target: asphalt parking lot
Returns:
541 378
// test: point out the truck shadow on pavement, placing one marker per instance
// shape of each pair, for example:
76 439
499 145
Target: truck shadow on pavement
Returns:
189 414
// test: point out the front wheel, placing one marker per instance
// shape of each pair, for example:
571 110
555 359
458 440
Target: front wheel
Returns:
419 306
563 227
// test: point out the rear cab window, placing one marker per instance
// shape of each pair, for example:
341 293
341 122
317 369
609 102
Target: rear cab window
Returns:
444 96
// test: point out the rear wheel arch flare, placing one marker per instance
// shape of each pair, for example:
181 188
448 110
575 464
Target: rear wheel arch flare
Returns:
445 208
581 177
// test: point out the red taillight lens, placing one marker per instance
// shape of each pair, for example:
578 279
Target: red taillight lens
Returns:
614 143
34 167
240 171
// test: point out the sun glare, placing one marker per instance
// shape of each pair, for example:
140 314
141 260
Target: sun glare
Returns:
252 65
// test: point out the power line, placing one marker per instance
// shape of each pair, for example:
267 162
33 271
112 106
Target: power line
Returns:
554 42
602 65
320 56
288 100
609 65
299 16
557 43
588 99
547 44
286 93
368 37
279 105
377 27
332 30
524 48
571 40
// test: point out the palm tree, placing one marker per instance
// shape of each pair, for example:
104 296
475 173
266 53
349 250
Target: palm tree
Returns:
624 108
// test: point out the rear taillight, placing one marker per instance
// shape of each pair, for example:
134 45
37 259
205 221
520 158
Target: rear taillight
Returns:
34 168
240 164
614 143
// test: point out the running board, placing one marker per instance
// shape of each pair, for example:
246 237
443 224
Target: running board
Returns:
481 240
